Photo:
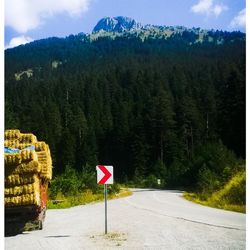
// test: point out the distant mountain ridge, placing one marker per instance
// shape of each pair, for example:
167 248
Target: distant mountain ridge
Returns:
126 27
120 26
117 24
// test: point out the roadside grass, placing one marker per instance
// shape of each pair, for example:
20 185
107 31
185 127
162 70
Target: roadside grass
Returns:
82 198
232 196
195 198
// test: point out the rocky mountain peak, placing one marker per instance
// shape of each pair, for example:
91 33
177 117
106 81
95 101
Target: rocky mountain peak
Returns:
117 24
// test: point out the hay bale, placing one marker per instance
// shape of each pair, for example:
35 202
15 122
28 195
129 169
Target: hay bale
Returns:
13 179
20 179
41 146
28 167
27 138
22 146
43 157
19 157
12 134
12 159
24 189
17 144
28 155
12 144
46 171
45 160
26 199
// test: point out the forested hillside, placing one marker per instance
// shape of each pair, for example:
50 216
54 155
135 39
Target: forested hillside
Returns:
170 108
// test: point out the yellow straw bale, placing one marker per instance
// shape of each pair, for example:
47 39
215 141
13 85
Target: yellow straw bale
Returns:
46 171
28 167
41 146
26 199
45 160
12 180
17 158
11 143
28 155
11 134
20 179
28 138
24 189
12 159
44 157
6 191
23 145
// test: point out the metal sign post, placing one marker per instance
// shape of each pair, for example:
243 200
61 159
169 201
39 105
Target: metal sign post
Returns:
105 177
105 201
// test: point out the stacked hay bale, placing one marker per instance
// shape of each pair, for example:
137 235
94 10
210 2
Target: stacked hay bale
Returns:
28 165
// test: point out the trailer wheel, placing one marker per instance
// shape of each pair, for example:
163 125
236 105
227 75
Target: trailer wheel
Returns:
40 225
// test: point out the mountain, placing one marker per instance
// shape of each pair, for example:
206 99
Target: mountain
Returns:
114 27
117 24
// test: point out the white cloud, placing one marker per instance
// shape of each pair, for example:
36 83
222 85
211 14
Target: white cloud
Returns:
18 41
24 15
218 9
203 6
208 7
239 21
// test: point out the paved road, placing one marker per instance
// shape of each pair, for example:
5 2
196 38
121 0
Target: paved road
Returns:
149 219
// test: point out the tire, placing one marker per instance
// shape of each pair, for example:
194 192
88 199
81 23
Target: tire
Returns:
40 225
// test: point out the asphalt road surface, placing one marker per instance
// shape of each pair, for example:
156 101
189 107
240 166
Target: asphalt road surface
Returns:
149 219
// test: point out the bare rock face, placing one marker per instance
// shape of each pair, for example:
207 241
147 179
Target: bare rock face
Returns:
117 24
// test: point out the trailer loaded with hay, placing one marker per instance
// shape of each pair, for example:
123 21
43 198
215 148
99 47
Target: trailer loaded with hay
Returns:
28 171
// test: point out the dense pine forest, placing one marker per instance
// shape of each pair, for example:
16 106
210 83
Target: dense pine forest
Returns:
153 108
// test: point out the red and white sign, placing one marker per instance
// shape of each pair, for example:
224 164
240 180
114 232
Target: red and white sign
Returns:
104 174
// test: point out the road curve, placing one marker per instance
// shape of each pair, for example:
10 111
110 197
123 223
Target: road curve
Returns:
149 219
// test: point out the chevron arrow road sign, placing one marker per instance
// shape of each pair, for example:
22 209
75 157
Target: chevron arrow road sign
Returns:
104 174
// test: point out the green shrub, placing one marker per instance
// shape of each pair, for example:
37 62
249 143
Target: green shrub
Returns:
160 169
151 182
213 166
114 189
67 183
216 157
208 181
72 182
233 192
88 181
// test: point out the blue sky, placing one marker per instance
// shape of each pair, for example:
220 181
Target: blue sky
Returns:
27 20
